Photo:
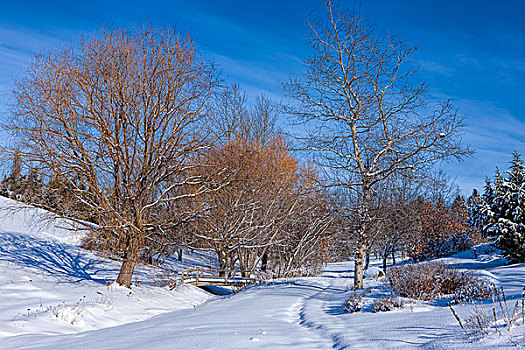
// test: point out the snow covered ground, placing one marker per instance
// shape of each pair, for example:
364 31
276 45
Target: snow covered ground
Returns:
49 285
53 295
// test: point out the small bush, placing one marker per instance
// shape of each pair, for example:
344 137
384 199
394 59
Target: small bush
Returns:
384 304
432 280
472 288
354 302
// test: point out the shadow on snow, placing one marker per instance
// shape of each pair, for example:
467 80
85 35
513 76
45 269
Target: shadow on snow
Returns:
60 260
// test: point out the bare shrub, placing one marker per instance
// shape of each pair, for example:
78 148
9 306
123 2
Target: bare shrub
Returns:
432 280
167 278
354 302
384 304
472 288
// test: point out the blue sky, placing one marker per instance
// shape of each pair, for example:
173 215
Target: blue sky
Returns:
470 51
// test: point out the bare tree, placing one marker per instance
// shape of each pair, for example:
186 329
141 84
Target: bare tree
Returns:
306 227
242 219
365 116
398 216
271 209
117 120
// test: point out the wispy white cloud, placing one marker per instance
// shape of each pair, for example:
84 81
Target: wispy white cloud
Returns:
435 67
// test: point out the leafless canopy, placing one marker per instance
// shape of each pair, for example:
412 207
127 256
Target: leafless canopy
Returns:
365 114
116 119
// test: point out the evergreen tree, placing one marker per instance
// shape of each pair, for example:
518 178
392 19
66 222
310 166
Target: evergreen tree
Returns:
475 205
504 211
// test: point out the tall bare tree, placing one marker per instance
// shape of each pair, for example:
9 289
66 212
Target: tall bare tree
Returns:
365 115
117 119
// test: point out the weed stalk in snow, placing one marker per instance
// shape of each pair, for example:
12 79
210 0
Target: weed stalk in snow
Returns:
458 319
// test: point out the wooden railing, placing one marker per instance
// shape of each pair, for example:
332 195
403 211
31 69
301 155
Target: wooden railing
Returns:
201 276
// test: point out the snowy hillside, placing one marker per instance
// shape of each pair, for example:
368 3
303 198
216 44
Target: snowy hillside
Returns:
49 285
54 296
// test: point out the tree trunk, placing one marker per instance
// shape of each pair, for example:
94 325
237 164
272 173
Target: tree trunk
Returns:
126 270
367 259
385 257
393 256
358 264
264 262
362 242
222 268
222 257
180 255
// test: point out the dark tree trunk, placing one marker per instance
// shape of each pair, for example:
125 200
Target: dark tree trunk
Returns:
264 262
179 257
367 259
393 256
385 258
222 268
126 270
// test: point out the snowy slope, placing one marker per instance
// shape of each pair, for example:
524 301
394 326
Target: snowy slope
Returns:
16 217
49 285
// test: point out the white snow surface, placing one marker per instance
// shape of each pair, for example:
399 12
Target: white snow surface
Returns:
49 285
53 295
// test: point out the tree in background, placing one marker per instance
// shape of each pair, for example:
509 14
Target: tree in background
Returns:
476 210
365 115
442 229
116 121
397 217
307 230
242 219
272 213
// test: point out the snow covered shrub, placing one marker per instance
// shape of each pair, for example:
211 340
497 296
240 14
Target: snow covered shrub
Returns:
472 288
432 280
71 314
354 302
384 304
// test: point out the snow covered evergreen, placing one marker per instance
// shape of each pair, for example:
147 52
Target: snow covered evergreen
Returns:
499 213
